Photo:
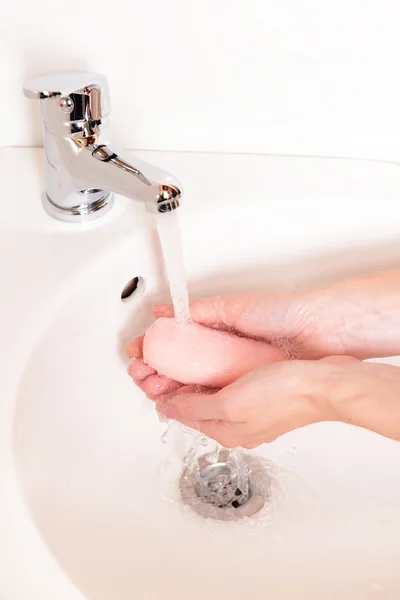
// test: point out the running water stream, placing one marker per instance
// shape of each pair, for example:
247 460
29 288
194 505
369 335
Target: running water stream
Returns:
171 244
199 448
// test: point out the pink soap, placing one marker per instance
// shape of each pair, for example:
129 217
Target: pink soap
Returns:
195 354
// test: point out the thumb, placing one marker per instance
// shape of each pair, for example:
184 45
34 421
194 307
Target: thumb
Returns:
193 406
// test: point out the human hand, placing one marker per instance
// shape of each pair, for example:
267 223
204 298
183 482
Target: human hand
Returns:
281 397
359 317
220 313
256 408
194 354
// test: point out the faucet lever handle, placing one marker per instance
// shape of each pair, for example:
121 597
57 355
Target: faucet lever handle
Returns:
63 83
70 97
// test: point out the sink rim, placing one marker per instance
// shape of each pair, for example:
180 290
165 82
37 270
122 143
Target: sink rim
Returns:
20 541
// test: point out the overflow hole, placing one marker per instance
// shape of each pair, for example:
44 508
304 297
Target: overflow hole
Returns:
133 287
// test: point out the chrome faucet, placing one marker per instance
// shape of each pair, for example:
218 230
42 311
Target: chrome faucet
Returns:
82 170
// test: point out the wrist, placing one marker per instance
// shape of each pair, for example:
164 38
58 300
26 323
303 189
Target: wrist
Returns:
363 315
364 394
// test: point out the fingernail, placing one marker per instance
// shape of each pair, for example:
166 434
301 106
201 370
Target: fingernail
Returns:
130 354
168 410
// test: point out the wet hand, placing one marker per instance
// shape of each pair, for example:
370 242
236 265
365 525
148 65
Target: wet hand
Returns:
260 406
358 317
282 397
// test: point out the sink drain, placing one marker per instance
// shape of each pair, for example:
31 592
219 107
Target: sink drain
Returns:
216 484
219 491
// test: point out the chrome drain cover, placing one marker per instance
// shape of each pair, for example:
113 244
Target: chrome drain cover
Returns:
218 491
217 484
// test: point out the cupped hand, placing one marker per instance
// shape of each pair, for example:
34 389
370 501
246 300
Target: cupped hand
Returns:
281 397
264 404
257 408
358 317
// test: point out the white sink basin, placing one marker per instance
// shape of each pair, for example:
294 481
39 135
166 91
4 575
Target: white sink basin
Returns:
82 507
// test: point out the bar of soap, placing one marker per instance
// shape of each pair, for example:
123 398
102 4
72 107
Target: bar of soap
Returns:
195 354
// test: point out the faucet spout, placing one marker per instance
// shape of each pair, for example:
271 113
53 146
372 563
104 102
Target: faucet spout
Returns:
156 188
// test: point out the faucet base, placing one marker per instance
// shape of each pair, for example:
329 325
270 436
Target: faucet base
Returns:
87 205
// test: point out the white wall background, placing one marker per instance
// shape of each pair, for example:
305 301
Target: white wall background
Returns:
271 76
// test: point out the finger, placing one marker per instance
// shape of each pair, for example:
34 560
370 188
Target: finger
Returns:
135 348
176 390
139 371
254 314
154 391
194 407
157 385
209 311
